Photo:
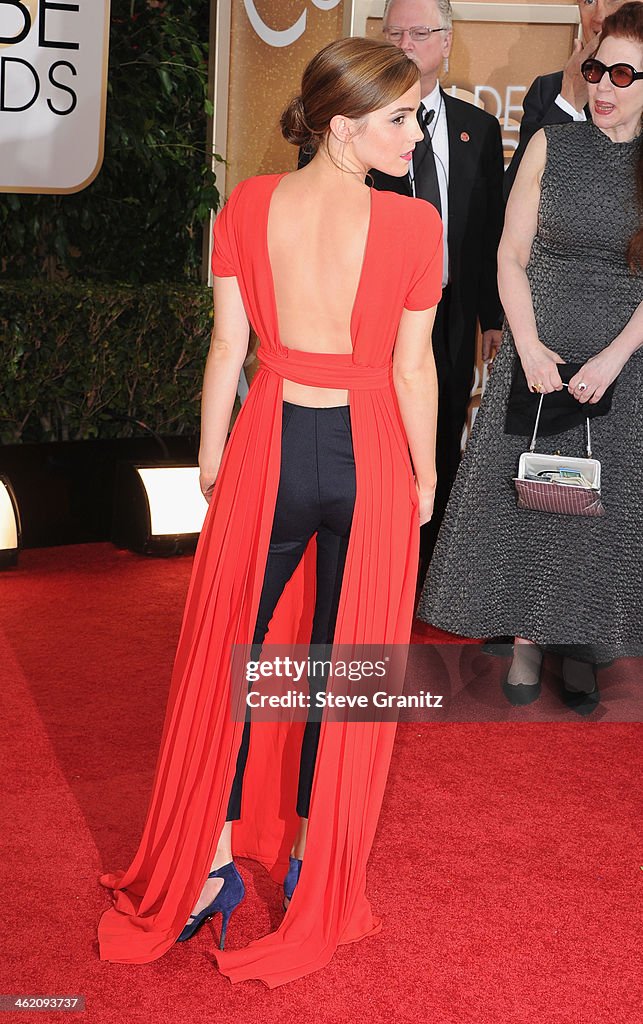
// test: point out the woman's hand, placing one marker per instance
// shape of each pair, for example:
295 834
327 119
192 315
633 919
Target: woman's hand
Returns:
596 375
426 497
491 342
207 480
540 366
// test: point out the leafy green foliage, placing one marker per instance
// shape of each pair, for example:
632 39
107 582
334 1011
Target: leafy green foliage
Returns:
143 217
79 360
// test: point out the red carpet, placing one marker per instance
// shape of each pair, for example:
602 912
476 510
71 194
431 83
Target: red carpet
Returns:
505 865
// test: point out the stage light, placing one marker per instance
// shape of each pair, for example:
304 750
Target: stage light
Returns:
158 509
9 525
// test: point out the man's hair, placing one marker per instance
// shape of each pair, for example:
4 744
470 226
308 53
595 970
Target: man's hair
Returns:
444 10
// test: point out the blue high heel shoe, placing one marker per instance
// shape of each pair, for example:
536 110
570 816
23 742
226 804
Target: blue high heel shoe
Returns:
227 899
291 879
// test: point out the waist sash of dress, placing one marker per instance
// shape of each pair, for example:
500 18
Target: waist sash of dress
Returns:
325 369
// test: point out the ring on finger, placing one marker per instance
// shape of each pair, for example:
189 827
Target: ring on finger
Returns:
582 386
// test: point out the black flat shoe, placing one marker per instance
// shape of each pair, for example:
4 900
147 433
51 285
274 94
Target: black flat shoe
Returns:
520 694
582 700
582 703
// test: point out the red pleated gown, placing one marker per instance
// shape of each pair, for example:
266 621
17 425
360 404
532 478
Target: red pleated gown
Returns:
153 899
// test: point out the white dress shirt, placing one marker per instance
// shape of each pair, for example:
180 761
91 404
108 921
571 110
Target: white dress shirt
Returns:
576 115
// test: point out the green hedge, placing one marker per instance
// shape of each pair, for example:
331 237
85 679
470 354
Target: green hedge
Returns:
77 359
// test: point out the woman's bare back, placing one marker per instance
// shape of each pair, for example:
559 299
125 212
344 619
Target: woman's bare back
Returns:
317 235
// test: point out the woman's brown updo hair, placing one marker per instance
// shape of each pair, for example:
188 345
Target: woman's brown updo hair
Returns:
627 23
352 77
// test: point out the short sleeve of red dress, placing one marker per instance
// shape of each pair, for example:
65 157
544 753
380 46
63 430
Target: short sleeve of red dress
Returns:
425 235
224 248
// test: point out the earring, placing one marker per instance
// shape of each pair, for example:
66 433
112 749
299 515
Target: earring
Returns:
446 65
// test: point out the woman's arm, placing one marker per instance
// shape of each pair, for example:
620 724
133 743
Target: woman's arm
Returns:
227 352
521 219
631 337
603 368
416 387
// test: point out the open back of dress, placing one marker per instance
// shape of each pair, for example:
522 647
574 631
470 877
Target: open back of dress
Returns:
316 259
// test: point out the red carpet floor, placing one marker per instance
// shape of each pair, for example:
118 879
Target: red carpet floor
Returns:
506 863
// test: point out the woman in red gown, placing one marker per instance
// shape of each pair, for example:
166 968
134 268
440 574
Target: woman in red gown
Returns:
312 528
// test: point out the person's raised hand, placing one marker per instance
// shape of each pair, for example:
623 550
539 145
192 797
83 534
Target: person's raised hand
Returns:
574 87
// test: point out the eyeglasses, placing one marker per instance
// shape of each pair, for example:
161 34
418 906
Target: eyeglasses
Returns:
419 33
621 75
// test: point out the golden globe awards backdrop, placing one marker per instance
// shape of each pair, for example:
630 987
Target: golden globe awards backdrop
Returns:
53 79
262 48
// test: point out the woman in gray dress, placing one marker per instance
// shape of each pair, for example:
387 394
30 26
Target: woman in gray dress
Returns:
571 282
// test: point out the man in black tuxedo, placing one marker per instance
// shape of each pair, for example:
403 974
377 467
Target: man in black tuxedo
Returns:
561 97
458 168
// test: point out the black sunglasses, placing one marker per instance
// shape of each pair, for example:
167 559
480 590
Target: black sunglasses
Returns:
621 75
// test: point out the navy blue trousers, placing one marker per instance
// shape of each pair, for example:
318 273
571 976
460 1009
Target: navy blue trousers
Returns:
316 495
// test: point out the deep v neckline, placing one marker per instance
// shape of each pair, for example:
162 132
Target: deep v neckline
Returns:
271 280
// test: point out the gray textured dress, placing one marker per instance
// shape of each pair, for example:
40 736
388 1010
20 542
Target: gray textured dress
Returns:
556 579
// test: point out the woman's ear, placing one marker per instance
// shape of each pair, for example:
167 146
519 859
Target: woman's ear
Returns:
342 127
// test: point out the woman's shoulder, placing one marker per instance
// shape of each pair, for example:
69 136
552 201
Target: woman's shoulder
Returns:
572 133
564 148
250 189
410 213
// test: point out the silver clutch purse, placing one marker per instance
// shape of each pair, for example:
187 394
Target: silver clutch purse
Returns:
561 484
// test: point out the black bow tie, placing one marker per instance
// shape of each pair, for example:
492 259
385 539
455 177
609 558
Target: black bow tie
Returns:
425 117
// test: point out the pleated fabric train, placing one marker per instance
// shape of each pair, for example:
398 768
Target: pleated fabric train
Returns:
154 897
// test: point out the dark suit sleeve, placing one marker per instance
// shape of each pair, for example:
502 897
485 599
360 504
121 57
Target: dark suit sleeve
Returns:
539 108
490 311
